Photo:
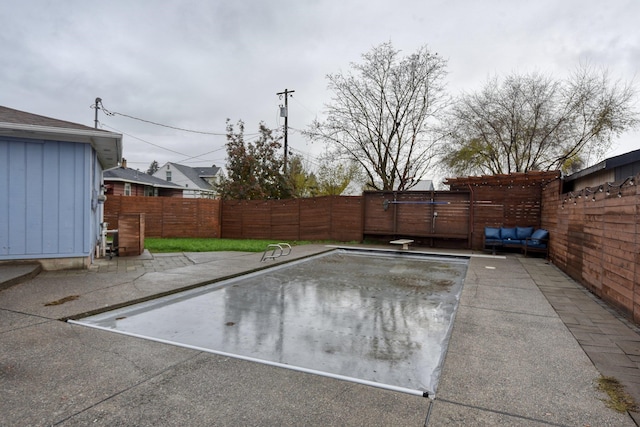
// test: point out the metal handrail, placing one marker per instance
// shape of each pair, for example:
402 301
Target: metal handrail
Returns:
277 250
285 246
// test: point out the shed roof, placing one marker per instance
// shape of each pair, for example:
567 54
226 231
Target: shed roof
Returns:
20 124
607 164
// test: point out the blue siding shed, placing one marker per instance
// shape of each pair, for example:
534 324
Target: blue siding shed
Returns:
50 183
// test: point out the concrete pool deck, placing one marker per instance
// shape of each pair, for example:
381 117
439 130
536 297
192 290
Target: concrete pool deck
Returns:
527 348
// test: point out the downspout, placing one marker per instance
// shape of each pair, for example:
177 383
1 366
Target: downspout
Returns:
471 217
102 198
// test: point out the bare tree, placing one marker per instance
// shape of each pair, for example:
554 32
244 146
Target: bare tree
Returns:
534 122
381 115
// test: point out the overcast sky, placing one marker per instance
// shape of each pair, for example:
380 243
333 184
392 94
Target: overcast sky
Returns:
193 64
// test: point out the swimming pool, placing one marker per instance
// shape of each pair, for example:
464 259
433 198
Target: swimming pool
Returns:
381 318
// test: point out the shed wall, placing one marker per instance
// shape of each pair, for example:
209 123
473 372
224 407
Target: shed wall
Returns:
45 199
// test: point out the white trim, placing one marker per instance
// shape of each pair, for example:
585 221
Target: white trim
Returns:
59 131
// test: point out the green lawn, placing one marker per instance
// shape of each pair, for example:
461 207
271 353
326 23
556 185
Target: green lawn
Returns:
209 245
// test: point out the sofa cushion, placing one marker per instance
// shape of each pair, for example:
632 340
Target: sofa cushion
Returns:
513 242
524 232
508 233
537 236
491 233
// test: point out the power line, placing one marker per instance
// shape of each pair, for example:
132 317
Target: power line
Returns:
315 113
100 106
203 154
187 156
307 156
145 141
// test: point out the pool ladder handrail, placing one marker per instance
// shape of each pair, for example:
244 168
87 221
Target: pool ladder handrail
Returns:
277 250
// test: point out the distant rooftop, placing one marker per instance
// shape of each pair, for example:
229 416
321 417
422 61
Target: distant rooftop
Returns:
135 176
196 174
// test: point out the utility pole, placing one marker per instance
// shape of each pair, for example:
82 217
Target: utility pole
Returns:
97 106
285 113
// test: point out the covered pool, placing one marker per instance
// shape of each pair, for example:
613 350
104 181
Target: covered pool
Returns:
381 318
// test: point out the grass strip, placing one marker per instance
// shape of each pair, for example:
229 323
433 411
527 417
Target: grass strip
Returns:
165 245
618 399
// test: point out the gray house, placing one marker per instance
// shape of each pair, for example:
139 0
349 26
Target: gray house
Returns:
51 189
612 169
198 182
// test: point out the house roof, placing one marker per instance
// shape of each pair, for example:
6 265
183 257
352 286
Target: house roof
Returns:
607 164
206 172
422 185
196 174
136 177
20 124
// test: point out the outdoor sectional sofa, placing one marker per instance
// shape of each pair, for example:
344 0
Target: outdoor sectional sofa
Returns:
525 238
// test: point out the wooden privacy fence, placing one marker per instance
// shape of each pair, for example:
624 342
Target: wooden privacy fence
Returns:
503 200
435 218
168 216
319 218
428 216
595 240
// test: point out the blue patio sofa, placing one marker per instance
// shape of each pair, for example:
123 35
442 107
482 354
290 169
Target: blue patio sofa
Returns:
525 238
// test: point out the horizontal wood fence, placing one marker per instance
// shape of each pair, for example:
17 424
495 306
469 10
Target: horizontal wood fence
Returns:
503 200
431 217
167 216
319 218
595 240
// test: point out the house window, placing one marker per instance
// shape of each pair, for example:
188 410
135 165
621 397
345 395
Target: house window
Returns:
127 188
148 191
168 176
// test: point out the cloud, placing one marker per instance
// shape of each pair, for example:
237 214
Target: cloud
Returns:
193 64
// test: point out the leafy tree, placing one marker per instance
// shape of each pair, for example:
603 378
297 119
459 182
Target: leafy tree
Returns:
534 122
153 168
334 176
381 114
253 168
302 182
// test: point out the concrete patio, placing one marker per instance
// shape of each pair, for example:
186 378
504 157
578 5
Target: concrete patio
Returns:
527 348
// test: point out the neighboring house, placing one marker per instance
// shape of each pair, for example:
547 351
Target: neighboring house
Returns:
51 201
613 169
124 181
423 185
198 182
